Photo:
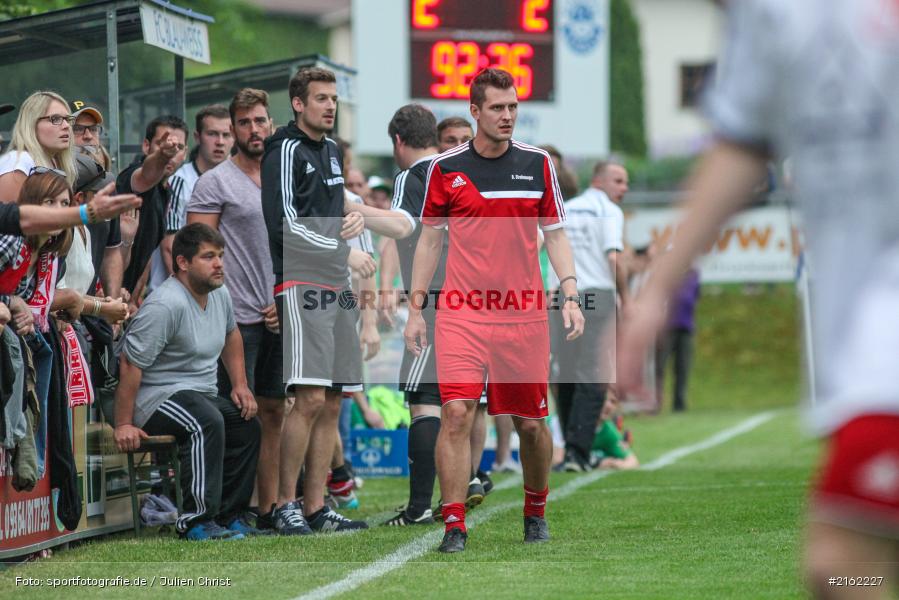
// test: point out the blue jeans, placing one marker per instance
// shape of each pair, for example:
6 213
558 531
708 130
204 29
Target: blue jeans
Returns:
42 354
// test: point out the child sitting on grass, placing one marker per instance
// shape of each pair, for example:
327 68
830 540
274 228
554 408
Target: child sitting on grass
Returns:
612 446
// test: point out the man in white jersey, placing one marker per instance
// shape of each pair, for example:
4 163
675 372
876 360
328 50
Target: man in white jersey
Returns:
214 141
582 368
817 82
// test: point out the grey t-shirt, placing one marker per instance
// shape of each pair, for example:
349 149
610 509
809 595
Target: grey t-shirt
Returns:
176 344
229 192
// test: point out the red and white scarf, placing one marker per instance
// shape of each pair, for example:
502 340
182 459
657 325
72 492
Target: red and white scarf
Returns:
78 376
45 288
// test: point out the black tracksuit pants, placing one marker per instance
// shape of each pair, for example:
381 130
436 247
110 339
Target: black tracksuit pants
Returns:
584 369
218 451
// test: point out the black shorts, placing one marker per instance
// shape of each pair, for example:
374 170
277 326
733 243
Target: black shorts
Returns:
262 360
417 372
427 394
320 340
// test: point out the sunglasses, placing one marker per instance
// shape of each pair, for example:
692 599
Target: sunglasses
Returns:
42 170
94 129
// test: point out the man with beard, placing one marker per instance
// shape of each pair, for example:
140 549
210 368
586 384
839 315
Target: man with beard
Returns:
303 203
168 387
229 199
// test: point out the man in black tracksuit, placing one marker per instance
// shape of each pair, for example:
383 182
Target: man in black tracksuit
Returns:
303 204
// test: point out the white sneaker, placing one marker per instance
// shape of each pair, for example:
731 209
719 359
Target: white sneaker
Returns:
510 466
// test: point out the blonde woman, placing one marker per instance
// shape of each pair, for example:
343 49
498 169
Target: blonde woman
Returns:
41 137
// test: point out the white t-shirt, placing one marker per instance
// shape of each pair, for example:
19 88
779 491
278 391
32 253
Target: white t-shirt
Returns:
79 266
594 226
819 84
16 161
181 185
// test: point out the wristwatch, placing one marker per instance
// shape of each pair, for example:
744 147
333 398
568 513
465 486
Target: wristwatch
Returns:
575 299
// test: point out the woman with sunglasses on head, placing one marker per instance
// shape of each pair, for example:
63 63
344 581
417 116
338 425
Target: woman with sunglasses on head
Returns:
42 137
29 264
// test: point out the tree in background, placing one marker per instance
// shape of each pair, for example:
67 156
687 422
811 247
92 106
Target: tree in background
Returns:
628 131
240 36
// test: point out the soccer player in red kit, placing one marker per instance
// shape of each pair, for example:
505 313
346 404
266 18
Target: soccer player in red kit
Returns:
491 195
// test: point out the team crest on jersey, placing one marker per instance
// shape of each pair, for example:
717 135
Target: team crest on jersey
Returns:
335 166
581 25
458 181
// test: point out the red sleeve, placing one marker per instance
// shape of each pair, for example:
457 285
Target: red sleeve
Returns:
552 211
436 207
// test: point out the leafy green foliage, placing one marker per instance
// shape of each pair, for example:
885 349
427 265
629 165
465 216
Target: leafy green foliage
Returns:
628 134
242 34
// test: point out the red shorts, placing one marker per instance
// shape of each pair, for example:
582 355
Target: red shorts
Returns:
858 487
512 357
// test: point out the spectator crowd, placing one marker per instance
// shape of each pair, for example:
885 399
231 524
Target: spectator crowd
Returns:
173 293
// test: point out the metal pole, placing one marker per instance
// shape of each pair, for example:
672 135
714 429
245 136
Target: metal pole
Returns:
112 82
180 109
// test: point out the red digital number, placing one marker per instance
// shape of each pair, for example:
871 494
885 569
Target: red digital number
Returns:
530 19
421 17
443 65
455 64
509 57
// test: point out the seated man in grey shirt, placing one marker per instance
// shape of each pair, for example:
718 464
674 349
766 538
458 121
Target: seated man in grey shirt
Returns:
168 387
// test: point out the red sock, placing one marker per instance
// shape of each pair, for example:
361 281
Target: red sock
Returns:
454 516
535 502
340 488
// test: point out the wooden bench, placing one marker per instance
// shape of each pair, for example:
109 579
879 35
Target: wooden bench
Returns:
165 445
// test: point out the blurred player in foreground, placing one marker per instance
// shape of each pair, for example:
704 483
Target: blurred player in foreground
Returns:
816 82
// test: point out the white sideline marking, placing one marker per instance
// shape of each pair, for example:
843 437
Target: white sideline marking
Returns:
719 438
428 541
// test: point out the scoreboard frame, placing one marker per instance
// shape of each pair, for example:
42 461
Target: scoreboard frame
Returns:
568 104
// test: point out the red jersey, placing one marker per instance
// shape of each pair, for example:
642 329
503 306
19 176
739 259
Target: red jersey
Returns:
492 208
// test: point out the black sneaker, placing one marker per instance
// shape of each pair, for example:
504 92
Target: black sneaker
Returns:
475 493
403 519
486 482
329 521
289 520
574 463
535 530
266 520
453 541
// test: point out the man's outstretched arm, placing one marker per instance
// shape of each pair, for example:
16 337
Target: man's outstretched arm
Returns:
718 188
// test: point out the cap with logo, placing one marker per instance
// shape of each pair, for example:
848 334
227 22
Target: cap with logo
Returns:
80 107
92 177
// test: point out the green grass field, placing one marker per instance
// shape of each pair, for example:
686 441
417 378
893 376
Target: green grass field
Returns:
710 517
722 522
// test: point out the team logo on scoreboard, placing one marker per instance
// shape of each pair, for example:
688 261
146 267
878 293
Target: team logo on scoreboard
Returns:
581 25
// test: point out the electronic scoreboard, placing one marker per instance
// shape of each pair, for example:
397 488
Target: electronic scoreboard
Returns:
429 51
